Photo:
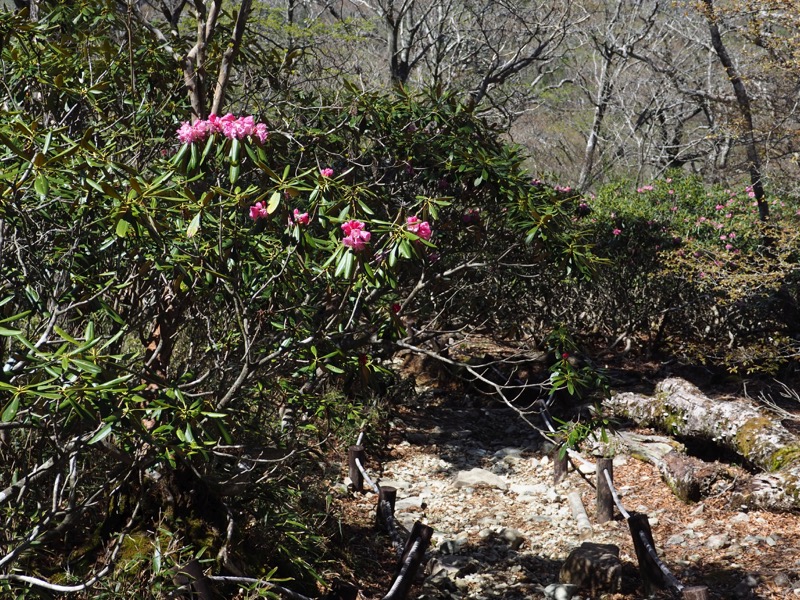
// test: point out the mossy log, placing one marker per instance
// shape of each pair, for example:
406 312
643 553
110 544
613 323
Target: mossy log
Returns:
680 408
690 478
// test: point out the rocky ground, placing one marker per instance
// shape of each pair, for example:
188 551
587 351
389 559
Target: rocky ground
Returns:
507 537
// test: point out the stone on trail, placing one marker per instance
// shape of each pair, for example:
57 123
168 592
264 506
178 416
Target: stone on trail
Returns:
529 489
514 538
560 591
595 567
479 478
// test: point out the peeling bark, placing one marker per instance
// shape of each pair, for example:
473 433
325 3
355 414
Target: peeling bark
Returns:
680 408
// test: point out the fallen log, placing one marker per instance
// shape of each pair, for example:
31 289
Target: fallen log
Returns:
689 478
679 408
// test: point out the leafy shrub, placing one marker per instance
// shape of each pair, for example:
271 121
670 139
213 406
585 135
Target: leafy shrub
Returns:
160 300
690 270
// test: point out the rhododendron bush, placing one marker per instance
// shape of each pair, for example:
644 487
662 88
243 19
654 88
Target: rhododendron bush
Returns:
169 283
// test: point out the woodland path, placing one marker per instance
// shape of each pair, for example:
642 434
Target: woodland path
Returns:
492 543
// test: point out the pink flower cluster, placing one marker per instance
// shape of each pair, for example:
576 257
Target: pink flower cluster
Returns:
421 228
233 128
259 211
645 188
355 236
300 218
327 172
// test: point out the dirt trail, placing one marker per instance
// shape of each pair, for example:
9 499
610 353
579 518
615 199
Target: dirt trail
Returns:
508 539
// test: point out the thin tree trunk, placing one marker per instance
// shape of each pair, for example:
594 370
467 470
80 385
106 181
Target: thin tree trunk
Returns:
743 101
601 104
229 56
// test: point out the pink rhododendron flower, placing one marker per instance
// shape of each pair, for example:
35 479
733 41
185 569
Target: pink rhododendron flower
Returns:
617 231
261 132
300 218
259 211
328 172
186 133
728 247
355 235
421 228
229 126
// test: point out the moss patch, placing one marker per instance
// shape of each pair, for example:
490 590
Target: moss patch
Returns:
783 457
748 433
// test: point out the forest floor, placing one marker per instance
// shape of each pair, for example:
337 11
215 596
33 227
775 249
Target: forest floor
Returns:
510 543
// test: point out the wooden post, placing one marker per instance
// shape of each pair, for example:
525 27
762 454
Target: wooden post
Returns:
414 552
387 496
192 576
605 501
353 453
697 592
652 577
341 590
560 463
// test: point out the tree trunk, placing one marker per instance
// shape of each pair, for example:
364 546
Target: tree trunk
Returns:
601 104
681 409
743 100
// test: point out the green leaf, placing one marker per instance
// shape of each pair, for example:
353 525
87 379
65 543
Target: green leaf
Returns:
11 410
194 226
233 175
344 267
404 248
274 201
194 159
85 365
65 335
122 227
6 332
226 436
41 185
102 434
